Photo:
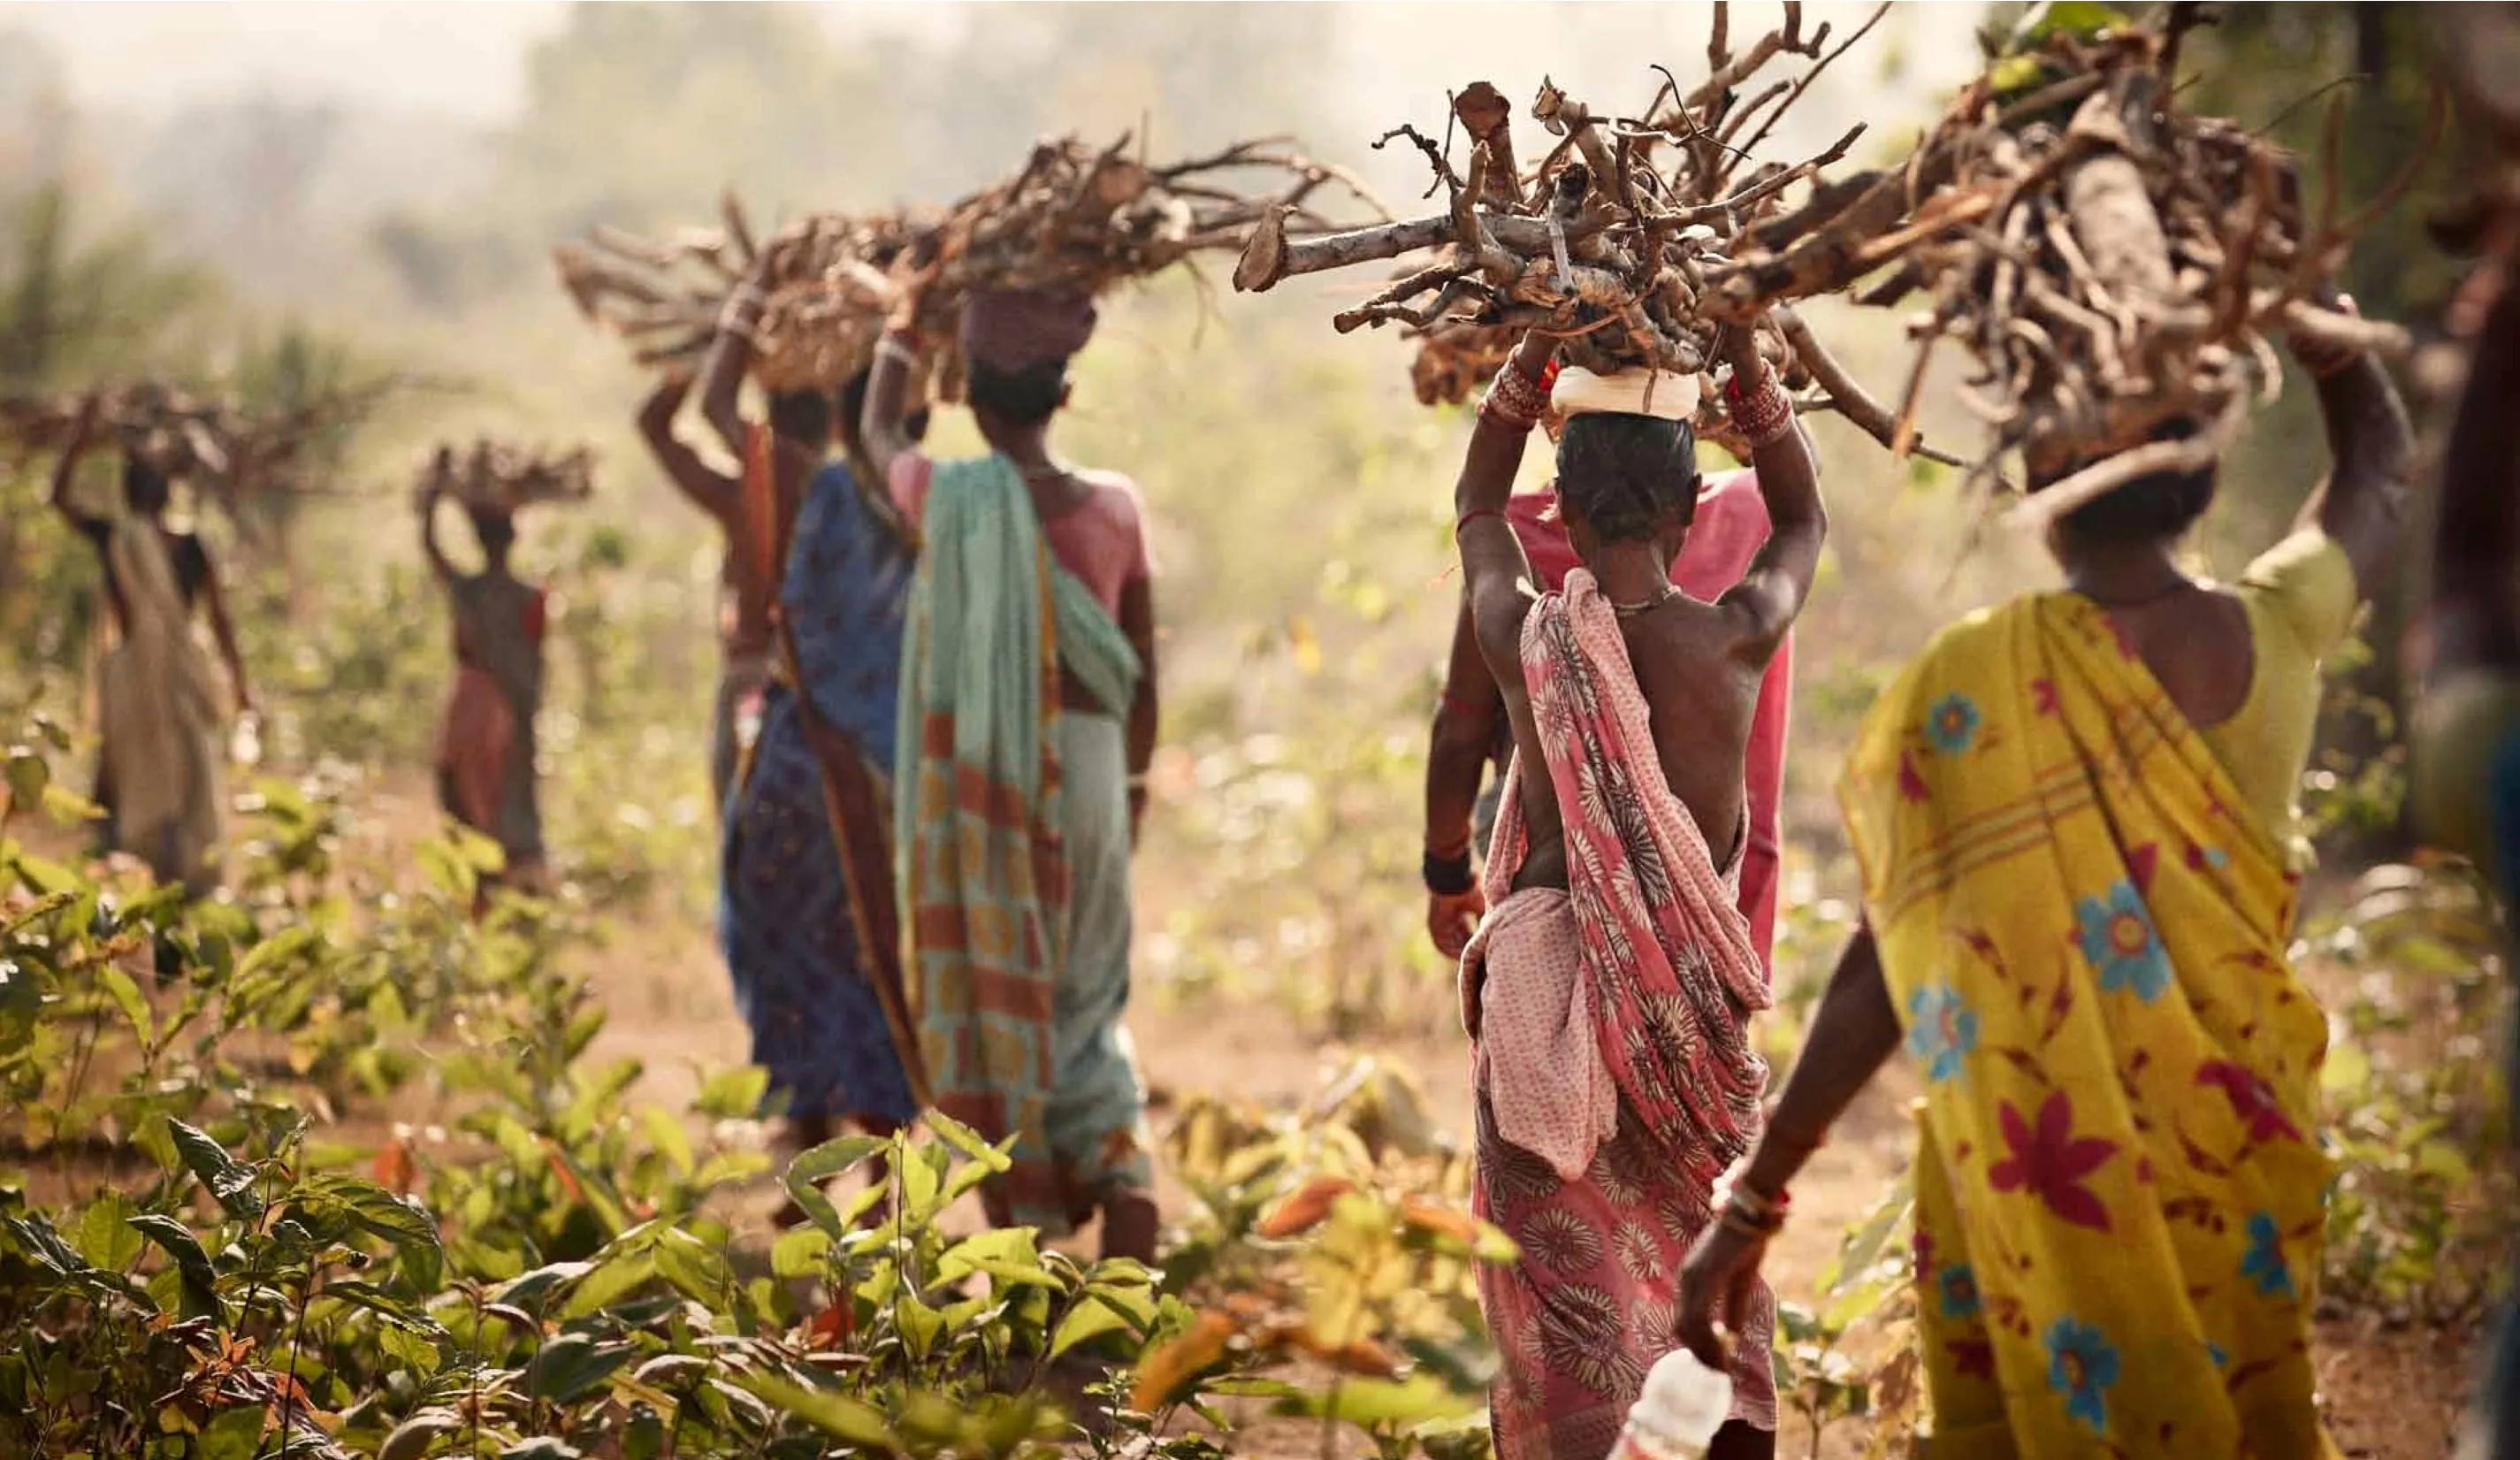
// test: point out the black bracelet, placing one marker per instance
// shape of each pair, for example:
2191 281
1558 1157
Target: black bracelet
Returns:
1447 876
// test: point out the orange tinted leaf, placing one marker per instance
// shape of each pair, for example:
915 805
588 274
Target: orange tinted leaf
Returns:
1176 1359
1303 1209
394 1168
1435 1217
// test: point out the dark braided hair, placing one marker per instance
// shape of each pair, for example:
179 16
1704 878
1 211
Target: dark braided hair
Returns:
2147 509
1628 475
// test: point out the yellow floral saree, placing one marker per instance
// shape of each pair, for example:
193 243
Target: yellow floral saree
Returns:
2119 1195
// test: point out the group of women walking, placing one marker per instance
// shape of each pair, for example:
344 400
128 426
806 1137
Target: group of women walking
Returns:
2072 815
928 820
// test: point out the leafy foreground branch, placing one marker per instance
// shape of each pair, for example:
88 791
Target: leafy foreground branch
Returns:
201 1259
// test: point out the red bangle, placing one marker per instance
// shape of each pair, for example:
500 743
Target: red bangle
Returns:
1473 515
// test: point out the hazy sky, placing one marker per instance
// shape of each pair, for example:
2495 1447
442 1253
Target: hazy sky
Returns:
467 60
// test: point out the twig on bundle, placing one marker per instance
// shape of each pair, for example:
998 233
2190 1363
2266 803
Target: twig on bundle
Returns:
1633 239
225 453
1073 217
2112 265
826 291
495 477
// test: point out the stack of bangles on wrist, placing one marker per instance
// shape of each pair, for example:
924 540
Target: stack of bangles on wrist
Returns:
1446 876
892 346
1751 1215
1763 414
1516 401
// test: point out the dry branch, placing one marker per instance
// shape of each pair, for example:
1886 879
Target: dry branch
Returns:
499 477
2111 265
1071 217
224 452
1633 239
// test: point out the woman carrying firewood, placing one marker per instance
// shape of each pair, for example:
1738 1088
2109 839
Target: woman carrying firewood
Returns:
485 748
2074 815
807 915
1028 715
1609 989
1471 732
755 508
158 764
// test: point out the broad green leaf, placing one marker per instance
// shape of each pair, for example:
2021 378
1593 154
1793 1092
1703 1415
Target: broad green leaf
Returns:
229 1181
104 1234
921 1325
1401 1403
125 995
811 1169
667 1134
22 1004
1086 1321
531 1290
35 1238
409 1350
200 1283
698 1271
800 1252
734 1093
379 1212
569 1365
412 1438
232 1435
850 1421
965 1139
390 1310
1008 1254
616 1273
26 774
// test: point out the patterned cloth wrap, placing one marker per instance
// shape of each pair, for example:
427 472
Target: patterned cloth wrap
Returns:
1614 1076
158 707
1011 851
485 744
2118 1190
807 855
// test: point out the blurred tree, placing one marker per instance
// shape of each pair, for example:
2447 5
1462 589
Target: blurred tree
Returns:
2272 65
638 114
72 310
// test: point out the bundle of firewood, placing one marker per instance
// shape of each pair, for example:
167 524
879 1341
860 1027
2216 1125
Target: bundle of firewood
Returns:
825 283
2111 265
1074 217
1622 240
222 451
494 476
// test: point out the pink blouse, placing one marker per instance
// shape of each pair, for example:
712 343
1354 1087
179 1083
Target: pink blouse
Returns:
1103 540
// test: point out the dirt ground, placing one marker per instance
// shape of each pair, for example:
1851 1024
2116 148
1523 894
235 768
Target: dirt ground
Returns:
2391 1393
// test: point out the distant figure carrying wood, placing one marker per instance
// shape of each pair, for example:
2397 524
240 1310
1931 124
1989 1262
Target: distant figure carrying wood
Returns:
485 748
159 765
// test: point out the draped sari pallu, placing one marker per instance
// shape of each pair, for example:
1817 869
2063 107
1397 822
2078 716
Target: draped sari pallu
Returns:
158 708
1011 851
2119 1198
1614 1078
806 902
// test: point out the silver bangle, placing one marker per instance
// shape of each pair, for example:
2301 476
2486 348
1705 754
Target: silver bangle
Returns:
891 348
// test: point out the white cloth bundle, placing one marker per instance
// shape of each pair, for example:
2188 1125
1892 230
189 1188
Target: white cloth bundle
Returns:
1661 394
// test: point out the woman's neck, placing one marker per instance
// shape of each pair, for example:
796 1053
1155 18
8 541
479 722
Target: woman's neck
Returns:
1631 573
2122 573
